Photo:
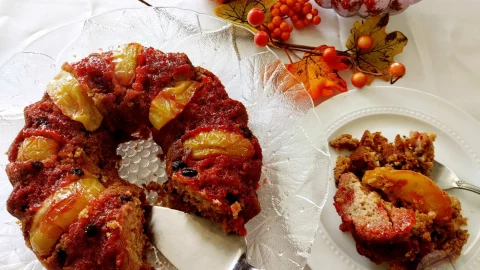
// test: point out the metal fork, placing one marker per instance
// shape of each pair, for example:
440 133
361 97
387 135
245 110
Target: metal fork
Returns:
447 179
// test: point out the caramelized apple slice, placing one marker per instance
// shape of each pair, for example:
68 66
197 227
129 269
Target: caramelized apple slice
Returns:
37 148
59 211
170 102
44 238
216 142
411 187
72 99
125 60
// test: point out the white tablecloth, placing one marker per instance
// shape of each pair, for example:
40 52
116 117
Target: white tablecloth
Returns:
442 56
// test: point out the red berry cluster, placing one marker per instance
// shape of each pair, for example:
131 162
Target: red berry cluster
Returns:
300 12
279 29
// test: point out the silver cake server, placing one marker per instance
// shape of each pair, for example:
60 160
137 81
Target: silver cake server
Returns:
191 242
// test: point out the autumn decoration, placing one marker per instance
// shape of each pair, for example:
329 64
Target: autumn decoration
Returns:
369 52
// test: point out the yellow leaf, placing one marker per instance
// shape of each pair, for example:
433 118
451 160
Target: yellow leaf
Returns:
385 46
236 11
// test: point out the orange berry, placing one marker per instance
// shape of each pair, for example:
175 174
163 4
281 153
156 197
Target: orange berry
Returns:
314 11
290 28
277 20
284 9
270 26
329 54
275 12
290 3
299 24
306 9
397 70
316 20
283 1
365 42
302 2
284 26
276 33
290 13
306 22
294 18
261 39
359 79
277 5
298 7
285 36
308 4
255 17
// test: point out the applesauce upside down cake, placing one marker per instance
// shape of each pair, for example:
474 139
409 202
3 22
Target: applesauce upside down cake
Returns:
75 211
395 213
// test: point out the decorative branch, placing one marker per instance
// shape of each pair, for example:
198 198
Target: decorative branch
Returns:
145 3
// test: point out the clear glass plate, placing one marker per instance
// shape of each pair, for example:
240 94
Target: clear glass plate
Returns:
296 163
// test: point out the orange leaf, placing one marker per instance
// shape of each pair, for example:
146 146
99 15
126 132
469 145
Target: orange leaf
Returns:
320 78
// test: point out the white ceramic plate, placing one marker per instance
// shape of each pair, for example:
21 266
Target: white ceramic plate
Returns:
394 110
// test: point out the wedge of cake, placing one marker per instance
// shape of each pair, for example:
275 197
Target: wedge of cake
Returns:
395 216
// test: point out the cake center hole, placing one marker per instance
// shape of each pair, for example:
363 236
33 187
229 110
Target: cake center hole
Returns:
140 164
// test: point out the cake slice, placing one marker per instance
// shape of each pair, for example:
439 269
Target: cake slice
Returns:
107 235
368 216
399 217
214 173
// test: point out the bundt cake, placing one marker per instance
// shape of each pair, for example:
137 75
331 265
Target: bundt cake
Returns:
75 211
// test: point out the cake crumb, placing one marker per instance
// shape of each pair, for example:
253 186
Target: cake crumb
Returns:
344 141
83 213
113 224
236 208
342 166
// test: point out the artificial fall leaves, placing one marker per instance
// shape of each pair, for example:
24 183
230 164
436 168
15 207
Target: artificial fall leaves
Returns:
236 11
375 62
321 78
